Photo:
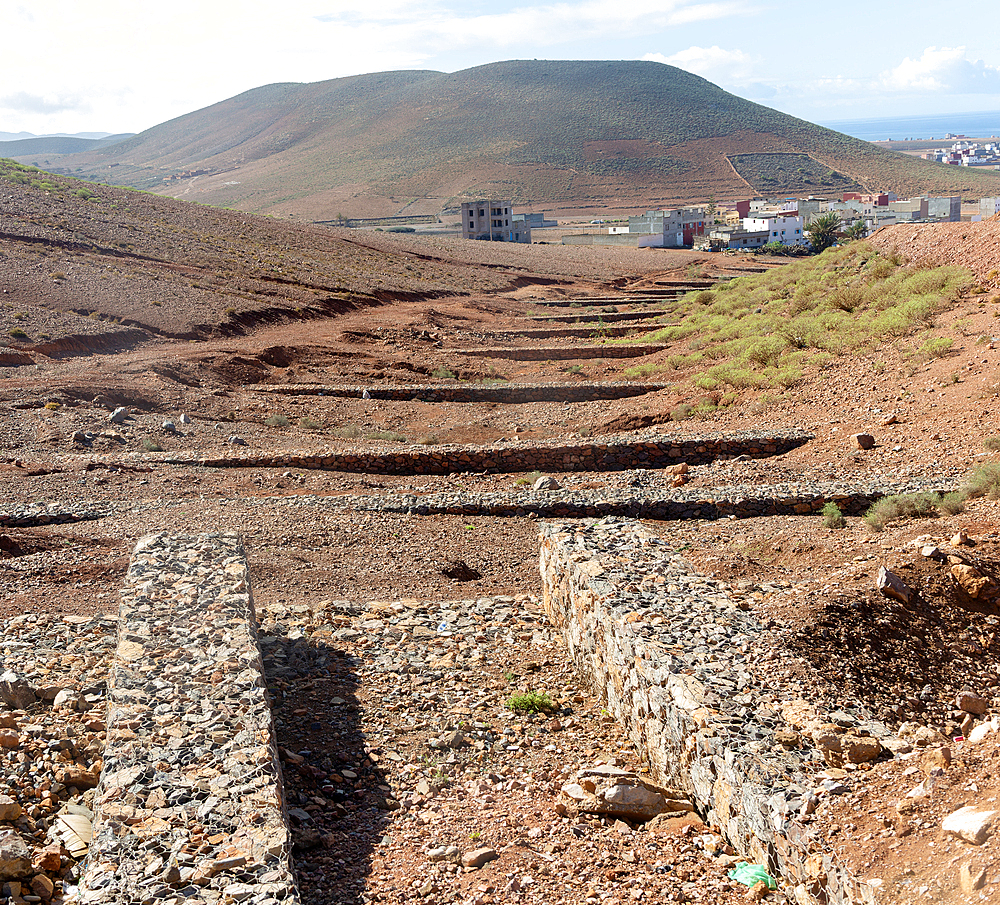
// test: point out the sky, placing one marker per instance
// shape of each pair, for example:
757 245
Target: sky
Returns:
124 66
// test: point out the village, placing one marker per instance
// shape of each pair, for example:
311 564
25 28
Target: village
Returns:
747 225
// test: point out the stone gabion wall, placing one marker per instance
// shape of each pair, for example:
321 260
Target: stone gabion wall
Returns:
564 353
506 393
607 455
190 806
670 653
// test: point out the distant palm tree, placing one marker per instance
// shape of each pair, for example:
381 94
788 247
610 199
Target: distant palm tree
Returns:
822 231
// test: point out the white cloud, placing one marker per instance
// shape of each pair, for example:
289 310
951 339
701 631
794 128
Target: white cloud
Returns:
942 70
434 27
727 67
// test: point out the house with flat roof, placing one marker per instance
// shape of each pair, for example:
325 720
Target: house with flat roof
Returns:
493 221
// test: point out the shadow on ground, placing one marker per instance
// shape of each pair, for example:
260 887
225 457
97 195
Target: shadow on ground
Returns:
335 803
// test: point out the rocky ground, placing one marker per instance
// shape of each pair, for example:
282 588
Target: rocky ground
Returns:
385 635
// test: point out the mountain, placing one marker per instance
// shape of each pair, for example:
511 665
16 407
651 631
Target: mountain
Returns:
54 145
557 135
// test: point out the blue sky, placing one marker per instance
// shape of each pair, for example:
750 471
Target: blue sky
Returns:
124 66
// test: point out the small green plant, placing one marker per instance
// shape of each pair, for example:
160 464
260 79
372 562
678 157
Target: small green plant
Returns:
346 432
574 369
309 423
443 374
390 436
150 445
53 406
17 333
475 835
833 517
530 702
276 421
529 478
681 412
934 348
992 444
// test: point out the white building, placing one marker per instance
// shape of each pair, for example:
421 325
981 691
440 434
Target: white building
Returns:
784 229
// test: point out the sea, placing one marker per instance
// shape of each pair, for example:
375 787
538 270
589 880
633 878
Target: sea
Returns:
920 128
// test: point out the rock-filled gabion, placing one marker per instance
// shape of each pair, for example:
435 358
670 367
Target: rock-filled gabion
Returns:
189 807
35 514
564 353
504 393
666 504
673 656
609 454
605 316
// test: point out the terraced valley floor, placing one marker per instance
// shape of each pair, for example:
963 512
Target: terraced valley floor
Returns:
398 604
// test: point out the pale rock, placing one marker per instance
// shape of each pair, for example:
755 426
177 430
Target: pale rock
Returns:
15 856
70 699
42 886
628 796
961 539
921 736
10 810
118 416
479 857
970 823
545 482
15 692
798 714
971 878
972 581
860 749
971 702
892 586
983 731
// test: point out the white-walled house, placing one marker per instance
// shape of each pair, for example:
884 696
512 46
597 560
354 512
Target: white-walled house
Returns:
784 229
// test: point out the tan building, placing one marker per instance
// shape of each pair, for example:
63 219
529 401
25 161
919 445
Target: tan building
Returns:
493 221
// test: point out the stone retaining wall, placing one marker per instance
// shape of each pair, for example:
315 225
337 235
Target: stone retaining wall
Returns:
36 514
505 393
586 315
608 455
589 330
189 807
564 353
672 656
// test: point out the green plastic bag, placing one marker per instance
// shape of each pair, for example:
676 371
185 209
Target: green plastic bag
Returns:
750 874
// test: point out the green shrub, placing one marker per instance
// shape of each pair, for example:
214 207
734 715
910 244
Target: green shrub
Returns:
443 374
17 333
909 505
309 423
391 436
276 421
985 481
992 444
530 702
346 432
150 445
833 517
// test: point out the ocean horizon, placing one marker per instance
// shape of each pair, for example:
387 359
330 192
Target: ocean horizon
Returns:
920 128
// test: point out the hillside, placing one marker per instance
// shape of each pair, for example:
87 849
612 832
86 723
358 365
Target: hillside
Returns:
559 135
